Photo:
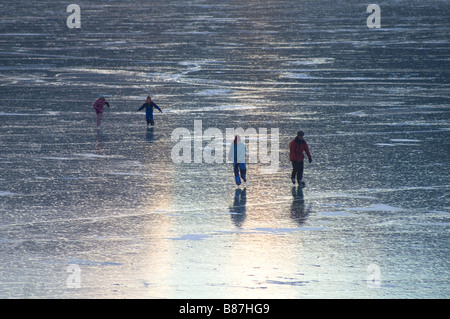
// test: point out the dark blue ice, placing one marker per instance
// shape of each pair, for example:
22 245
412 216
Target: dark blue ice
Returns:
87 213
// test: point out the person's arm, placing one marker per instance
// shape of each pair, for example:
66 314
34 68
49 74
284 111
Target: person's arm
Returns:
307 152
291 151
143 105
154 104
107 104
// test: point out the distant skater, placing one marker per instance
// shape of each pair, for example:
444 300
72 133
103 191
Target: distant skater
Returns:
296 148
237 155
99 107
149 105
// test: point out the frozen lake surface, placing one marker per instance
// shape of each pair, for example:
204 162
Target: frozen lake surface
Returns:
87 213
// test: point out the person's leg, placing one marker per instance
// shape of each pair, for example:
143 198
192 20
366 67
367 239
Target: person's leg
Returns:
236 174
150 120
294 171
243 169
99 118
300 173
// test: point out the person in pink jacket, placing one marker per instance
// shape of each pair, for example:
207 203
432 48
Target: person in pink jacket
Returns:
296 148
99 107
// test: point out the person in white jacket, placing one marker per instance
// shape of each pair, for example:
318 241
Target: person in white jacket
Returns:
237 155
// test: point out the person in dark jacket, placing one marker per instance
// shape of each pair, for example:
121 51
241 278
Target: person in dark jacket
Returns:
296 148
149 105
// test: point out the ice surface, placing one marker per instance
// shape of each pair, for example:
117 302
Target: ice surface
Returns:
191 237
113 205
6 193
376 207
336 214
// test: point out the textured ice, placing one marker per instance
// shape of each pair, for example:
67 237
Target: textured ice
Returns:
336 214
376 207
404 140
224 108
281 231
193 237
373 105
6 193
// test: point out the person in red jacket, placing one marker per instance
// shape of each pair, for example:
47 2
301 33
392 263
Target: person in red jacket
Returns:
296 148
99 108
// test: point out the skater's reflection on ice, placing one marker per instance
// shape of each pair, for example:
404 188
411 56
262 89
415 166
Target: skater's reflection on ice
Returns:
238 210
150 135
298 211
99 143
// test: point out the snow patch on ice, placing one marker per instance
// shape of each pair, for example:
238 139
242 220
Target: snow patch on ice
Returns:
224 108
357 113
406 140
15 114
48 113
352 196
376 207
312 61
336 214
55 158
92 156
384 144
6 193
213 92
195 237
93 263
281 231
290 283
433 224
130 174
440 212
